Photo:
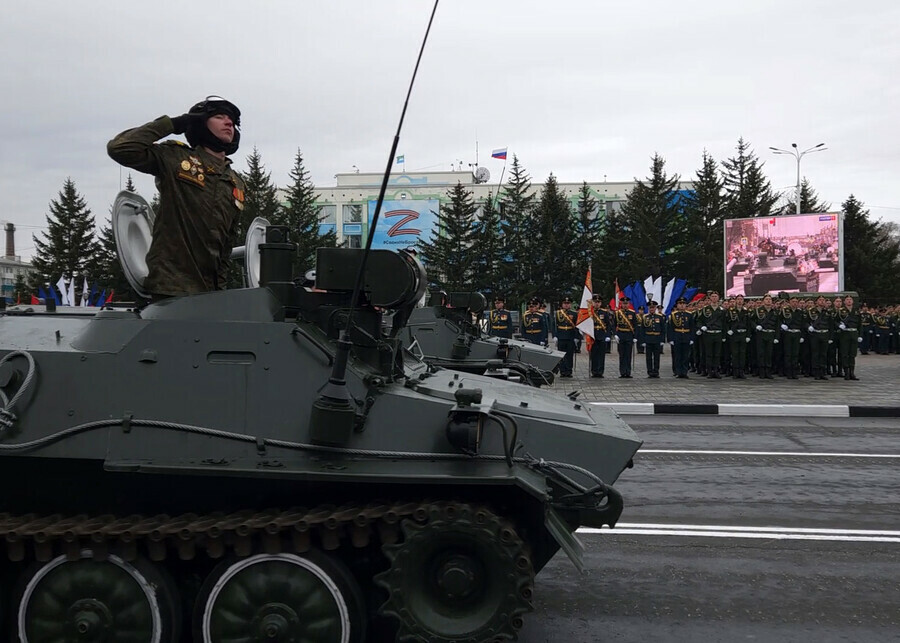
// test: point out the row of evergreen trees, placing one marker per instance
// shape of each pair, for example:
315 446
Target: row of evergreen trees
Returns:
520 243
527 244
72 247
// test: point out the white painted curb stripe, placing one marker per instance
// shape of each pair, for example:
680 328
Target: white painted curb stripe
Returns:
792 454
628 408
816 410
769 533
748 535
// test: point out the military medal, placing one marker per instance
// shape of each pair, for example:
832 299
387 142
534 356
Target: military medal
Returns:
185 166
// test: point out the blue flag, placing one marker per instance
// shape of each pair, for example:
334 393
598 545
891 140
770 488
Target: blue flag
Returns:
689 293
629 292
42 294
677 291
640 297
102 299
93 292
400 159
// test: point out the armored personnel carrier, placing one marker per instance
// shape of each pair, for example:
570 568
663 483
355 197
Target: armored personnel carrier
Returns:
444 334
268 464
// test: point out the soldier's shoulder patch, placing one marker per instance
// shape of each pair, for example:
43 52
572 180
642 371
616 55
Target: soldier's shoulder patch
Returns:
176 143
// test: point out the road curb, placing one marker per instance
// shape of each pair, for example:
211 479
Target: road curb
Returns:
755 410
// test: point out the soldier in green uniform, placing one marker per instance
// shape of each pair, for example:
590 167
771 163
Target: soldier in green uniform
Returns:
820 328
866 329
792 322
500 320
766 324
738 331
711 321
200 196
848 338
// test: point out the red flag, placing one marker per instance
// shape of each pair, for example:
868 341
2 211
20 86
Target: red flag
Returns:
614 302
18 299
772 221
699 296
585 322
35 300
109 299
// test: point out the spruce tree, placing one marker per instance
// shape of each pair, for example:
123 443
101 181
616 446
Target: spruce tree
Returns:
487 253
809 201
21 291
68 246
447 256
871 255
704 217
516 206
748 192
300 213
551 270
653 219
588 227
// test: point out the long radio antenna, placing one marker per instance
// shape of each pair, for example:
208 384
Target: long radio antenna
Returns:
334 395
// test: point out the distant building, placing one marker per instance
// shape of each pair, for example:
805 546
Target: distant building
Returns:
348 206
11 265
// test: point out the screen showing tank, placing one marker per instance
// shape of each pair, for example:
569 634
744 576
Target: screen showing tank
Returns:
794 253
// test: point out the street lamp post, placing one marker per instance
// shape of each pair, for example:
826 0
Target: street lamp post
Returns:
796 153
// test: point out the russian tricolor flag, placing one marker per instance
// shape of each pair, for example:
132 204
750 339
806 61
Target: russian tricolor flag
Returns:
499 154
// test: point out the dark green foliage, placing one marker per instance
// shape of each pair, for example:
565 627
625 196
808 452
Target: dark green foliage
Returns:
588 228
613 255
553 263
488 250
448 255
748 192
809 201
516 206
300 213
654 227
68 247
704 215
21 292
107 270
871 255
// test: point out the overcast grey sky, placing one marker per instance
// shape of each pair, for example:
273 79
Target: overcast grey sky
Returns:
583 89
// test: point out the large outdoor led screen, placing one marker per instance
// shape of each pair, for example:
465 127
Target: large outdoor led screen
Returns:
795 253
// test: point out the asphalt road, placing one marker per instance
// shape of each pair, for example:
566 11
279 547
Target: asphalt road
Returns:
794 535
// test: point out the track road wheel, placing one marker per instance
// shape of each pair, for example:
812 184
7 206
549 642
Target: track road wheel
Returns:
279 598
94 601
461 573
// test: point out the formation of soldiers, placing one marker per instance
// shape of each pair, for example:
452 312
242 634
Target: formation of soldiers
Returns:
786 336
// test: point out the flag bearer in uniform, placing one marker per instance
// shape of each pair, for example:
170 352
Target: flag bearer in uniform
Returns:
711 321
566 333
652 333
625 322
603 324
534 324
681 337
738 332
848 337
500 320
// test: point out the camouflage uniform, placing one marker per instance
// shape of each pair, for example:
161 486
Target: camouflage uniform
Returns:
201 199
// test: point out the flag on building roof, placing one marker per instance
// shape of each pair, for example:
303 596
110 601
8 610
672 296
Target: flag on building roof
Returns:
585 322
499 153
400 159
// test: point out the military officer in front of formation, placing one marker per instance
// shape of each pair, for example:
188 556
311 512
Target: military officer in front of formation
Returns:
710 324
626 329
500 320
566 333
535 327
848 323
681 337
603 325
652 333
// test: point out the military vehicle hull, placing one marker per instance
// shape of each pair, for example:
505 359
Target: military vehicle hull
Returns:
167 460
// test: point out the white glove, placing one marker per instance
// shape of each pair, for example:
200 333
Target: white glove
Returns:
673 343
801 340
776 341
731 332
758 327
811 329
607 340
699 332
871 331
859 339
692 343
831 341
703 328
634 341
747 340
842 326
616 337
784 327
723 340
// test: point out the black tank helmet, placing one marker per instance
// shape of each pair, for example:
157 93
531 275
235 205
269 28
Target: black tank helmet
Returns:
198 133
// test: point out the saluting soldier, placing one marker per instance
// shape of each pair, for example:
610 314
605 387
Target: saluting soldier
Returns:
738 331
603 325
626 321
500 320
681 337
566 333
711 320
534 324
766 324
848 337
820 329
652 332
793 321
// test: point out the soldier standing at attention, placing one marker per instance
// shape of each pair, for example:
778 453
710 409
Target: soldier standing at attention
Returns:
865 329
652 334
848 337
792 322
603 325
820 327
766 323
534 324
200 196
738 337
566 333
711 320
681 337
626 320
500 320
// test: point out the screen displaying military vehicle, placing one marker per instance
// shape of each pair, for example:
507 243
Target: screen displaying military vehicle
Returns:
794 253
271 463
445 333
